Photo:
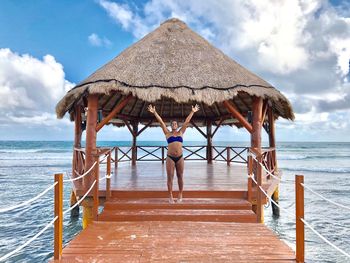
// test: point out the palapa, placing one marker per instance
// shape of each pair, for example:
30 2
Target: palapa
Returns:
174 65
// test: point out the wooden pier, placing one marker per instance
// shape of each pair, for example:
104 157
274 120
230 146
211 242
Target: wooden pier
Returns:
214 222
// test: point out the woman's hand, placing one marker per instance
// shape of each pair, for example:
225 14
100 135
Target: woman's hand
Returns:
195 108
151 108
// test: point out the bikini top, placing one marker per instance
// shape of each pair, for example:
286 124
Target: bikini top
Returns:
174 139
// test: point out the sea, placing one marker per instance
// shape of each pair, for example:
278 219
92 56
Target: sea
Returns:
28 167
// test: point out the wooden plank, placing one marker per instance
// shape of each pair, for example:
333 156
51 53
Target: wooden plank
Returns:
236 114
173 241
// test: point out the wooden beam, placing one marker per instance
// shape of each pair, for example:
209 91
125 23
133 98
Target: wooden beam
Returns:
144 128
135 127
198 129
129 127
217 126
264 110
117 109
236 114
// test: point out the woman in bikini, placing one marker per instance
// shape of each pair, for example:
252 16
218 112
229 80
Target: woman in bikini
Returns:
174 156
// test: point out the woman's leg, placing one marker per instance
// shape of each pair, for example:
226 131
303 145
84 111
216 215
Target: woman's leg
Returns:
180 179
170 167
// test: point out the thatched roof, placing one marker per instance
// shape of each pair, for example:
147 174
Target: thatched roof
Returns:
175 67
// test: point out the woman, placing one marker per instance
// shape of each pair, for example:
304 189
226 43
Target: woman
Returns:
174 158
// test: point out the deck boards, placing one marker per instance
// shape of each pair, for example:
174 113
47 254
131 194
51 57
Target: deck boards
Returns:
177 242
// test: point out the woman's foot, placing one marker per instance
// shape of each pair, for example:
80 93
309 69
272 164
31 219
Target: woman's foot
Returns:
179 198
171 200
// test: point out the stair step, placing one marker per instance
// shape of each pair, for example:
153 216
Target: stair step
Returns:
203 215
187 194
187 203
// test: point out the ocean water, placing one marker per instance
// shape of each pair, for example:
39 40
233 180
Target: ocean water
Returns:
27 168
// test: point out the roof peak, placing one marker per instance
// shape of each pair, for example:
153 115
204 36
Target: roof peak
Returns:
173 20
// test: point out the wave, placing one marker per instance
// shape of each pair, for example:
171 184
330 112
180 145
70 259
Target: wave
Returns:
318 169
35 150
310 157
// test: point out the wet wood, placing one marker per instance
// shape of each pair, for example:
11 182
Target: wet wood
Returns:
236 114
299 213
176 242
90 149
58 225
112 114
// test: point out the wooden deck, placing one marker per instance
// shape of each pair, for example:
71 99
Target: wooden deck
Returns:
198 176
214 223
177 242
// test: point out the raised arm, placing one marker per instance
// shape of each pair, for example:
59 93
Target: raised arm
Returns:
189 117
152 109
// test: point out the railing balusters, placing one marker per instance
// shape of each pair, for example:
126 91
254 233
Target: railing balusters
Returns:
228 157
96 188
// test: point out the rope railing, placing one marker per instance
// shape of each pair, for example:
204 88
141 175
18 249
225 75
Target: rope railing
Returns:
82 175
80 199
270 199
3 258
324 239
300 215
2 210
324 198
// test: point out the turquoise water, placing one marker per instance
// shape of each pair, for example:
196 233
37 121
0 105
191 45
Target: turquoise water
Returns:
27 168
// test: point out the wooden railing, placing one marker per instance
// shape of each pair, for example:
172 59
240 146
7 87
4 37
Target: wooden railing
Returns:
230 154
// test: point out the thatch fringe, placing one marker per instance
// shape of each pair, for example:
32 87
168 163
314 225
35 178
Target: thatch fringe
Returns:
206 95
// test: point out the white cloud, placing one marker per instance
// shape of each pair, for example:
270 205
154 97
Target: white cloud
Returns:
97 41
30 89
301 46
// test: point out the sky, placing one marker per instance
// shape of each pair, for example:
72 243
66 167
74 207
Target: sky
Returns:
300 47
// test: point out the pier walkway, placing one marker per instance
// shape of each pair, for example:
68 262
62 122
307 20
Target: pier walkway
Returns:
213 223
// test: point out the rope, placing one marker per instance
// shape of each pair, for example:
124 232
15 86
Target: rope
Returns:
324 239
29 241
271 200
80 176
324 198
80 200
28 201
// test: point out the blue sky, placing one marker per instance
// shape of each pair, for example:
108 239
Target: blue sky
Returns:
301 47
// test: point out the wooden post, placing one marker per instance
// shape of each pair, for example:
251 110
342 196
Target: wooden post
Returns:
90 153
256 143
299 213
77 164
134 148
272 144
163 154
96 188
250 192
115 158
58 226
209 142
108 178
260 207
228 155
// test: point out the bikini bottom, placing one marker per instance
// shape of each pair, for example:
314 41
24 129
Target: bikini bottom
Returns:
175 159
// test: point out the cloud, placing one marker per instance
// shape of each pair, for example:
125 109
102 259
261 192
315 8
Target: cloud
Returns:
30 89
301 46
97 41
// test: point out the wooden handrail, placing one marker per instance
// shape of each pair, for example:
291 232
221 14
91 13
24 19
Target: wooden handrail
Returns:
58 226
299 214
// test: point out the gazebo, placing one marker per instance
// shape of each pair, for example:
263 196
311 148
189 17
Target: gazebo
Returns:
172 68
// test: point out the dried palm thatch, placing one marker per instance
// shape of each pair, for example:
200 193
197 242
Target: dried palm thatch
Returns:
175 65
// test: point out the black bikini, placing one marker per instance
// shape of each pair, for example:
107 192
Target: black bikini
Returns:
175 139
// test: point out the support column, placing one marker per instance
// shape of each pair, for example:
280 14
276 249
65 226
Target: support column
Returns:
256 143
134 137
209 142
77 161
272 144
90 153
